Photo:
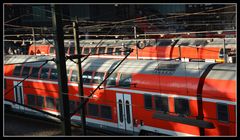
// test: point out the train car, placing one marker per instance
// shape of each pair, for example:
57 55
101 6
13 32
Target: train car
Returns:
184 49
149 97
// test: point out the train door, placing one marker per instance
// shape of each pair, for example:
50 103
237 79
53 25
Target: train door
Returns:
18 94
124 109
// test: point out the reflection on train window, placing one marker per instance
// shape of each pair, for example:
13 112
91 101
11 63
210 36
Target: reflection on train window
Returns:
86 51
93 50
148 101
40 101
181 106
98 77
17 71
118 51
161 103
54 74
31 100
125 80
101 50
74 77
50 102
222 112
71 105
109 51
93 110
25 71
44 73
34 73
71 50
111 81
87 76
106 112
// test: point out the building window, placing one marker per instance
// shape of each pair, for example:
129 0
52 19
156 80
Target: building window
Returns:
44 73
106 112
222 112
87 76
25 71
148 101
98 77
34 73
125 80
161 103
17 71
50 102
181 106
93 110
40 101
31 100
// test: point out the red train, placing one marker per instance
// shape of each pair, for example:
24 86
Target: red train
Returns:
185 49
140 97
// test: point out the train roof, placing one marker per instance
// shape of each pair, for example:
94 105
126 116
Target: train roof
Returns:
156 67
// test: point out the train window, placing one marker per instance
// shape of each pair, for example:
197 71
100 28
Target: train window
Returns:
111 81
101 50
161 103
44 73
125 80
106 112
164 42
181 106
118 51
52 50
86 51
40 101
25 71
222 112
98 77
120 110
93 110
71 50
71 106
31 100
93 50
50 102
109 51
148 101
57 104
17 71
127 51
87 76
34 73
74 77
66 49
128 112
54 74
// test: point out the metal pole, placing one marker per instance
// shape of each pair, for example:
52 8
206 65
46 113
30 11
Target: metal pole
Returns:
80 82
135 36
61 68
224 51
34 41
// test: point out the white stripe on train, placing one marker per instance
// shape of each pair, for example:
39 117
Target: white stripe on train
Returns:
131 91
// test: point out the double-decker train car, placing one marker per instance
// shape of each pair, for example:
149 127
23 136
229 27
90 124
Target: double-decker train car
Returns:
140 97
185 49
